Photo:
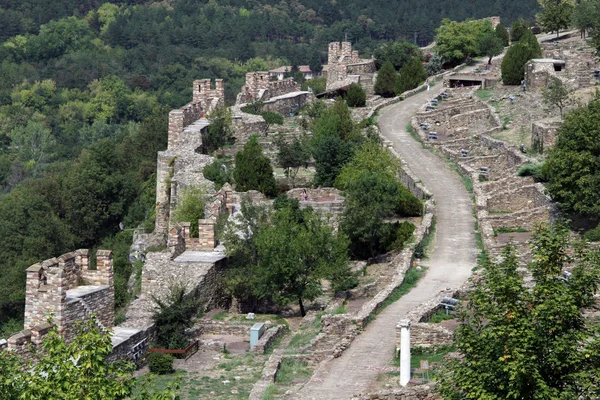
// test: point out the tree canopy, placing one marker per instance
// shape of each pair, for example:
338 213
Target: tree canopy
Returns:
253 170
555 15
74 371
456 41
520 342
572 165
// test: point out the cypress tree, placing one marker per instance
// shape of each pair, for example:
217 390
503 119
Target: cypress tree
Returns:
253 170
412 75
386 80
502 33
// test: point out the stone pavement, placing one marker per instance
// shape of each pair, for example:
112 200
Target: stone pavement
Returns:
450 263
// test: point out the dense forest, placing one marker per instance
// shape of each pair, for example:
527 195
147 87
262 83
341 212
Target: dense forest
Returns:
85 88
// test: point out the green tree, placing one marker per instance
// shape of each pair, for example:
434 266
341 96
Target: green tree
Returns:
556 14
292 156
190 207
555 94
490 45
34 141
220 132
398 53
411 75
356 96
296 251
386 80
75 370
586 16
502 33
271 118
518 29
457 41
173 315
370 198
369 157
435 64
218 172
572 167
520 342
253 170
513 63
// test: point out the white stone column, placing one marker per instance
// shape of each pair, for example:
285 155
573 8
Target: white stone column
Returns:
404 351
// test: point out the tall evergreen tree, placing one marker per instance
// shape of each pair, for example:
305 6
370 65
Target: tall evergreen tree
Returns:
386 80
253 170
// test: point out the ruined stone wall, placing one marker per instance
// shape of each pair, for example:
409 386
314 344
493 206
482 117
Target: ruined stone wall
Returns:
421 392
543 134
259 87
285 105
54 289
268 338
361 68
100 303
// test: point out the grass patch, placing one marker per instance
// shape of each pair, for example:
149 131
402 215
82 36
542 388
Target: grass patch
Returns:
467 182
484 94
271 392
423 249
291 369
434 355
341 309
305 335
220 316
412 133
410 281
440 316
504 229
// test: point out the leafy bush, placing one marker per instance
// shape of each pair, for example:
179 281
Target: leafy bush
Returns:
160 364
220 132
173 316
356 96
534 170
593 235
403 233
217 172
190 208
513 64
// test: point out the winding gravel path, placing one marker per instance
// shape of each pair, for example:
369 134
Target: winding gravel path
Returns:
450 264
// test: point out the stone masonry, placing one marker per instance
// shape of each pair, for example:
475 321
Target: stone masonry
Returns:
345 67
66 290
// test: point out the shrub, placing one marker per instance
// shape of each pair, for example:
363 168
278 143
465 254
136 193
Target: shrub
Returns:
160 364
403 233
593 235
217 172
534 170
190 208
356 96
513 64
220 132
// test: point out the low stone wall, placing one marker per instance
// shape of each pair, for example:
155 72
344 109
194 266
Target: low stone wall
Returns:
286 104
209 327
268 338
422 333
421 392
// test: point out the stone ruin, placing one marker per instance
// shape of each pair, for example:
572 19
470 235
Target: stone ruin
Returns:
573 63
544 133
345 67
68 291
282 96
503 199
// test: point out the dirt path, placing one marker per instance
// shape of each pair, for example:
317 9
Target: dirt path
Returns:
450 265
